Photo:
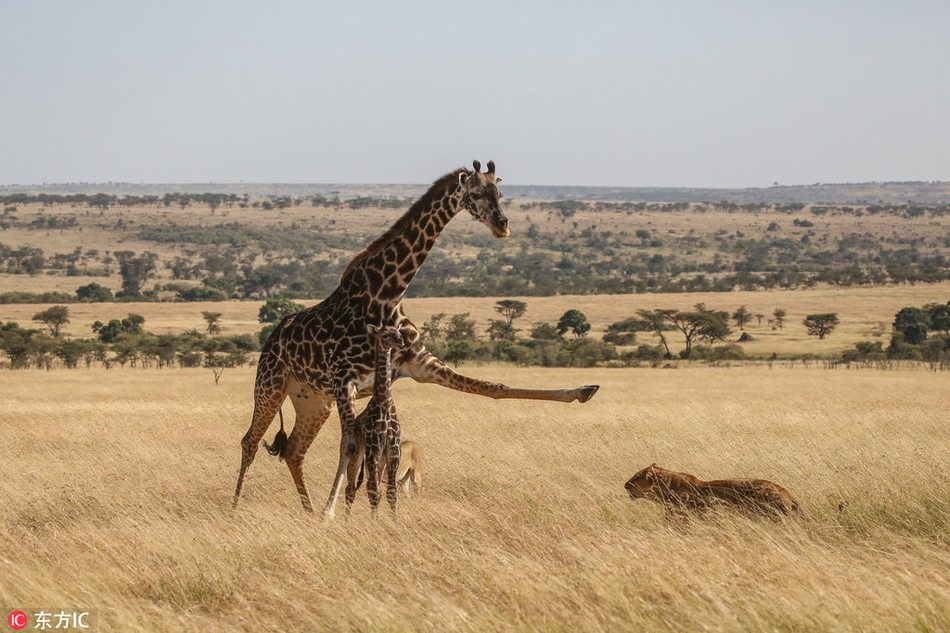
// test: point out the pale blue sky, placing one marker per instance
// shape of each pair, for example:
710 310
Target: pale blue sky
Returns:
625 93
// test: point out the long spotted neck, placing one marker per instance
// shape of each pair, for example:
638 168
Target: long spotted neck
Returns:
383 382
393 268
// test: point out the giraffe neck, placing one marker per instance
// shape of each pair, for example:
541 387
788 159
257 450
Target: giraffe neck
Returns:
383 382
390 263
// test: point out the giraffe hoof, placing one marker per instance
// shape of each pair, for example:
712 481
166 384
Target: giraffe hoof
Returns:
587 392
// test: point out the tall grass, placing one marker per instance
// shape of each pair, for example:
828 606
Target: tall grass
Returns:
116 494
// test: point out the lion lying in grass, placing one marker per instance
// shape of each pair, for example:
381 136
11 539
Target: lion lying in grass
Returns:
682 493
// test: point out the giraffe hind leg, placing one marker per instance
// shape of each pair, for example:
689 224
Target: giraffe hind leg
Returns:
264 411
356 468
311 414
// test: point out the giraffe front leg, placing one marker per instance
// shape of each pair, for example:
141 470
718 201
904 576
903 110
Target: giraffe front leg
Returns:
344 403
392 467
372 479
356 468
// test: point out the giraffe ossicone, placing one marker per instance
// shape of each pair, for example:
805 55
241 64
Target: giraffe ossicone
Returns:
323 356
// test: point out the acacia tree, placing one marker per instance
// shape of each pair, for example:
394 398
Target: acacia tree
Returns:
511 309
54 318
459 335
913 324
499 330
821 325
213 319
700 325
939 314
779 315
109 332
135 271
656 320
575 321
741 316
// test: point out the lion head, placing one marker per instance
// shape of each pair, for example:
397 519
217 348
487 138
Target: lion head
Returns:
643 483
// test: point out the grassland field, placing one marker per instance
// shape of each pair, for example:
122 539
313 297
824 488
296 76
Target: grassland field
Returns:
116 491
117 484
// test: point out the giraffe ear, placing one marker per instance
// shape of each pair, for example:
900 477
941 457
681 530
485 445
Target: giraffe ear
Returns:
468 178
497 180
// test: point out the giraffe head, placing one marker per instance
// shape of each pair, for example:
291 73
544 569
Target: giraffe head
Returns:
481 198
387 337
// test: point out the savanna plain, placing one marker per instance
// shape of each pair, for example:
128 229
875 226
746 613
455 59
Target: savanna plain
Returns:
117 483
117 498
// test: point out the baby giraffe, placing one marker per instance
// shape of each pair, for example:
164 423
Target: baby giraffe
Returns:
377 427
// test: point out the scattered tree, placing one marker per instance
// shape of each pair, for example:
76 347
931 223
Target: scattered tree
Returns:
575 321
779 315
656 320
135 271
54 318
109 332
213 319
939 314
624 332
459 336
511 309
912 324
821 325
544 332
94 293
741 316
700 325
274 310
500 330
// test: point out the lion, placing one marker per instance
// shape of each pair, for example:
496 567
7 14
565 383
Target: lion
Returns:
411 468
682 493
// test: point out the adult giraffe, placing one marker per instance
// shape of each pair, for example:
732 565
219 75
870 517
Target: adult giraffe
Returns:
323 355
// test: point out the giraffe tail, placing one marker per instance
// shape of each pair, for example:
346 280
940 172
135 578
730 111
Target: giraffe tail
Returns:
279 447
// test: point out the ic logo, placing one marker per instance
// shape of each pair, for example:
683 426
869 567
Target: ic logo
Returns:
18 620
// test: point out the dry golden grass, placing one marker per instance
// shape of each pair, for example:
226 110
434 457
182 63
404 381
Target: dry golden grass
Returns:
117 489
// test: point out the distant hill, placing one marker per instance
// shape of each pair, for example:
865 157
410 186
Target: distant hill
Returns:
926 193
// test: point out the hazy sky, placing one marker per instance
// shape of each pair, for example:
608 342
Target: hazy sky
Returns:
625 93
